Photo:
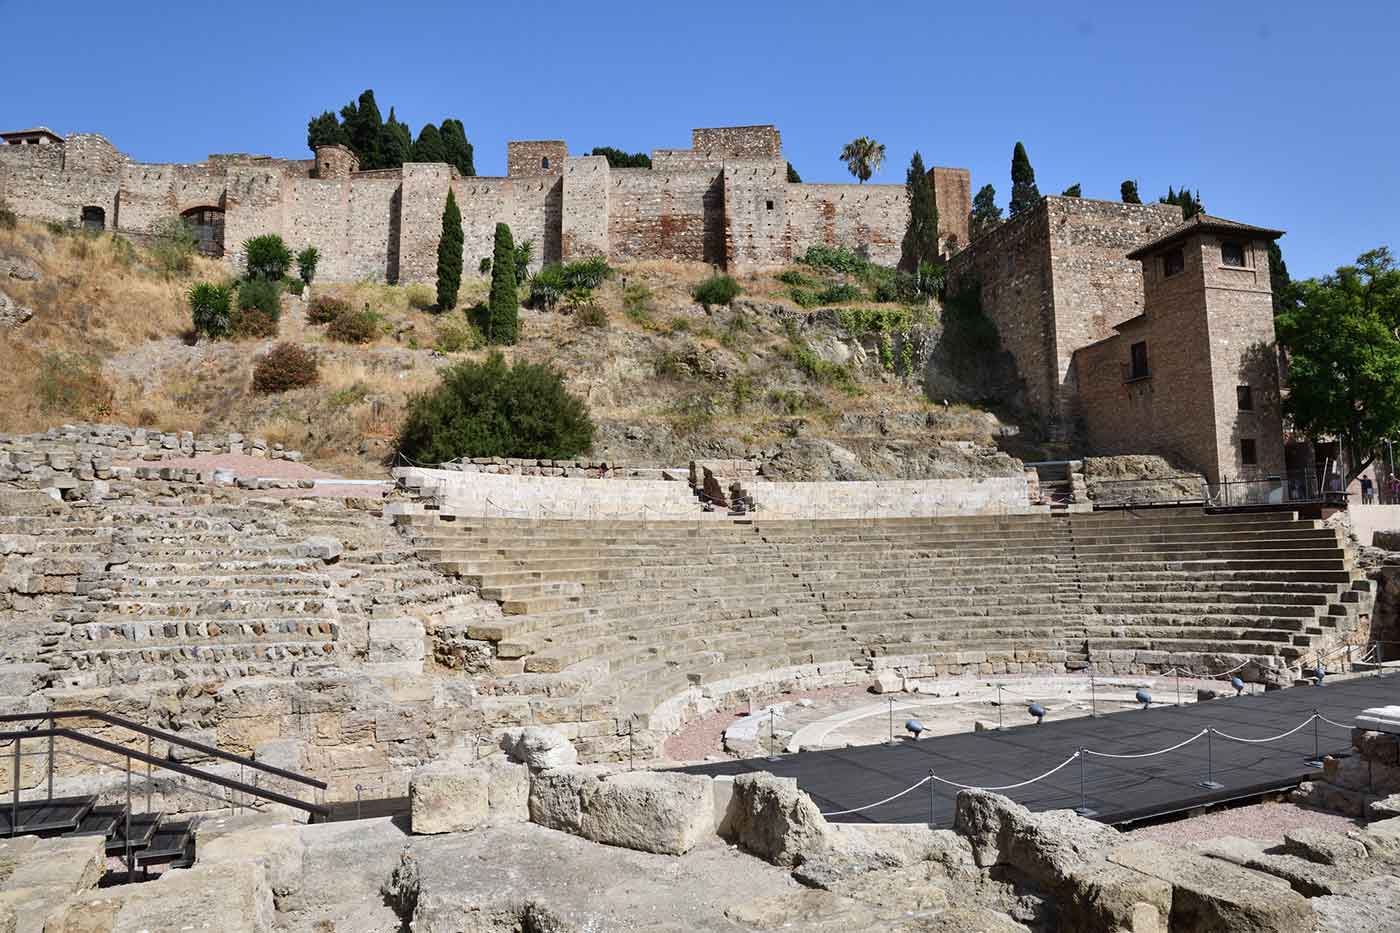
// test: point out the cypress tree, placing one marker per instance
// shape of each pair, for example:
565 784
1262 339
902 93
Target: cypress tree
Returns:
449 264
792 176
503 312
396 143
1128 191
456 147
429 147
986 216
364 129
1073 191
1024 193
921 235
1189 203
324 130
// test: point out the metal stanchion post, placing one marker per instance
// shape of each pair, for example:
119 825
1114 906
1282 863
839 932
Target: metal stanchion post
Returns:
631 756
930 799
359 789
1083 809
999 718
130 856
1178 686
772 735
1210 781
1093 696
890 743
1316 760
148 774
51 753
14 793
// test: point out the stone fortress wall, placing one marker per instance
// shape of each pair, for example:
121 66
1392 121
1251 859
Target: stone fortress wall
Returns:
725 201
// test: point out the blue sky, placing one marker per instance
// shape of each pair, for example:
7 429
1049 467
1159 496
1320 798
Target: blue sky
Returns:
1280 114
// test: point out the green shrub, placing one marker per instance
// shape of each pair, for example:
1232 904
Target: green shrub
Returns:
295 286
267 256
422 297
484 267
326 308
693 414
253 324
796 279
263 294
210 307
547 288
805 298
455 334
123 253
669 364
492 409
591 315
58 228
716 290
823 371
72 384
348 397
355 326
636 303
835 258
8 218
837 294
173 243
587 273
307 260
524 252
285 366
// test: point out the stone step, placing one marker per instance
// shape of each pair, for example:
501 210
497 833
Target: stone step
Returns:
216 606
203 631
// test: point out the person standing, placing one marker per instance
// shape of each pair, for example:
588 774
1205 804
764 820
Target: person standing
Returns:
1368 490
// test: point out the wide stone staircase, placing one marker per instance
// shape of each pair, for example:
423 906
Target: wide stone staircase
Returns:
644 612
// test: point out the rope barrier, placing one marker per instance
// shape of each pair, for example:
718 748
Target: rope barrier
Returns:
1161 751
1041 777
879 803
1272 738
1337 724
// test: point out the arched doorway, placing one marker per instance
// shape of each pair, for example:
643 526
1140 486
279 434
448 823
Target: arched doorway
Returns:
208 226
94 218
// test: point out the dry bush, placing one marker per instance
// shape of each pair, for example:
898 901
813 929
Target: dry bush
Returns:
286 366
253 324
355 327
326 308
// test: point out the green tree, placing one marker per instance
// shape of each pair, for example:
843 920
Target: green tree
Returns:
449 258
396 145
1189 203
792 176
492 409
1073 191
1279 280
863 157
1128 192
268 257
503 306
986 216
1024 193
429 146
325 130
920 244
307 260
459 151
1344 357
619 159
364 130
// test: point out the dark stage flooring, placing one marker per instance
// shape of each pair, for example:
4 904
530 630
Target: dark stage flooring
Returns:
1117 790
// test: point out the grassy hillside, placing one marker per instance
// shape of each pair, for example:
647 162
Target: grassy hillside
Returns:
832 389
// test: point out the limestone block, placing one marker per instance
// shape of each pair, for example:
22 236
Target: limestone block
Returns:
322 548
887 682
447 797
279 849
71 864
396 641
1382 839
232 898
538 747
281 753
556 796
650 811
1317 845
1208 894
508 789
774 820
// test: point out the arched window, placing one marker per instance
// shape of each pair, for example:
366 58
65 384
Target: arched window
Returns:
544 163
94 218
208 226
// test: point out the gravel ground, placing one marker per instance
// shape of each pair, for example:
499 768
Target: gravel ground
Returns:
244 465
1265 822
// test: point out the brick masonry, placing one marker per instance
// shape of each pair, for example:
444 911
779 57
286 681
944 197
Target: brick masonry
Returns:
724 201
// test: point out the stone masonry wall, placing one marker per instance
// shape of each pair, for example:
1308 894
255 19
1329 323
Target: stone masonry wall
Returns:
584 216
952 193
528 158
866 218
739 142
666 215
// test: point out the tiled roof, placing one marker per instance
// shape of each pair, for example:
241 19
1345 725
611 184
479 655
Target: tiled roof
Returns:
1203 223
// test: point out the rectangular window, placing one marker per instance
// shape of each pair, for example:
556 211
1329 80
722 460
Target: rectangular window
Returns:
1245 396
1232 254
1137 368
770 205
1173 262
1249 455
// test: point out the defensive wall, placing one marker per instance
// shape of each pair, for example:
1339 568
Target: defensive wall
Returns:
725 201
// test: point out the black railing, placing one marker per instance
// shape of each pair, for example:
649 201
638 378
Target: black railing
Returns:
16 739
1297 486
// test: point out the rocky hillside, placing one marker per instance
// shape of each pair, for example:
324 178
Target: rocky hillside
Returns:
852 389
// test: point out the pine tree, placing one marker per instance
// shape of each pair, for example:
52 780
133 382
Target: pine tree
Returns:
429 147
449 258
364 129
1073 191
1024 193
986 216
792 176
454 143
1189 203
921 235
503 311
324 130
1129 193
397 142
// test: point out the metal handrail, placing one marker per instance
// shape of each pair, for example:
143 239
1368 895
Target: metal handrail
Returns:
168 737
230 783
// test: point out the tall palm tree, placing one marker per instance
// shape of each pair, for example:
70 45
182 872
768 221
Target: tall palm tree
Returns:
863 156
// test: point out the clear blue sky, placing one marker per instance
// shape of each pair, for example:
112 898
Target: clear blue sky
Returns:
1281 113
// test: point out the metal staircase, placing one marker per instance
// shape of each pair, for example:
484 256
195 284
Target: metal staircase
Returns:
141 836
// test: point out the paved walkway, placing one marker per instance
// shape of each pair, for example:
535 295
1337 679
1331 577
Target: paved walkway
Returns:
1117 789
